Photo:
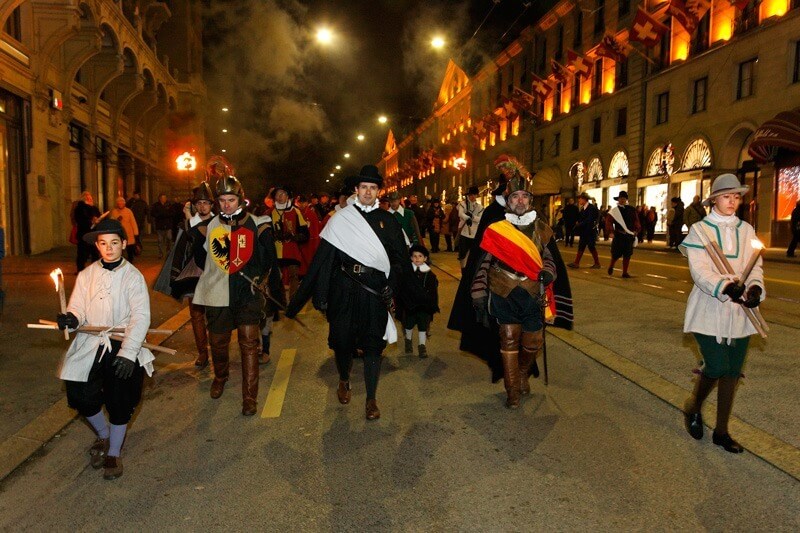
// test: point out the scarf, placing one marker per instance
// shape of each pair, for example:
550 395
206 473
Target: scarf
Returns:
727 228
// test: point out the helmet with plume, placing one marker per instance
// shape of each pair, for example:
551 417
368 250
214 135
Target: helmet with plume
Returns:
218 167
521 178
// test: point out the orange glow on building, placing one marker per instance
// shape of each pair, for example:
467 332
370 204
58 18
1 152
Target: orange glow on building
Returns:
609 71
722 23
773 8
503 130
586 93
483 144
515 127
565 99
492 139
680 43
548 108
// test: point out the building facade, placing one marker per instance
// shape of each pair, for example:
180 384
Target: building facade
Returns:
90 99
658 119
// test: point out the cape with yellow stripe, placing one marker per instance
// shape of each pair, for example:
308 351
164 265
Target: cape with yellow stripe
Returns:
506 243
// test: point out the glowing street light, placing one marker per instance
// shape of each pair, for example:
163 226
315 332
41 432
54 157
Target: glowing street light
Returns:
224 150
437 42
327 181
382 119
338 167
347 155
224 131
224 109
360 136
331 174
324 36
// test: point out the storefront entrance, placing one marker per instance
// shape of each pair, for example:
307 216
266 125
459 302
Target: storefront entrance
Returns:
13 192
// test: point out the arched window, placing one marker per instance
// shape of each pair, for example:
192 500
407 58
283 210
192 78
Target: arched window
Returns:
619 166
595 172
662 161
697 155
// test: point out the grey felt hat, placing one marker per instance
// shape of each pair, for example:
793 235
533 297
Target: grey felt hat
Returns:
725 184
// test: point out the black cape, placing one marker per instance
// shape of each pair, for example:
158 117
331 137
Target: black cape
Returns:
484 342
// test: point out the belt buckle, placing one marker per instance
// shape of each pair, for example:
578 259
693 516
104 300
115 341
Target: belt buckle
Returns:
357 268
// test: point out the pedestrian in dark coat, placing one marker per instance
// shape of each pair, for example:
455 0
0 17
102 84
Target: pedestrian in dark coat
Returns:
624 224
652 220
435 221
416 308
571 213
585 230
795 222
86 215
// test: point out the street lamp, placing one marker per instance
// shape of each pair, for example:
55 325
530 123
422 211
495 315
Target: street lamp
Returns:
382 119
347 155
224 109
338 167
437 42
324 36
360 137
224 131
188 163
331 174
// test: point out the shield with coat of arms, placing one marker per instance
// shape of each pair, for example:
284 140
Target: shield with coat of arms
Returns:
231 250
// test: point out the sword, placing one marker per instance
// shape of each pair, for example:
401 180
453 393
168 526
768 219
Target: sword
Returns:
543 296
265 292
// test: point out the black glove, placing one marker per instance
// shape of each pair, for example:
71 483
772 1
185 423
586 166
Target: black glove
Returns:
387 296
468 222
753 297
733 291
546 277
67 320
123 368
481 311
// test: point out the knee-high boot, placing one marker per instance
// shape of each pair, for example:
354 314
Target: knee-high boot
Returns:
531 347
250 348
197 313
220 346
693 407
726 390
509 352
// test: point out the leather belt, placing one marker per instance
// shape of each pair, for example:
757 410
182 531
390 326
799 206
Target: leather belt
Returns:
516 276
358 268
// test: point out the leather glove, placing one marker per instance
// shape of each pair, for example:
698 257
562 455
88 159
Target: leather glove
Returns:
387 296
753 297
123 368
481 311
67 320
468 222
546 277
733 291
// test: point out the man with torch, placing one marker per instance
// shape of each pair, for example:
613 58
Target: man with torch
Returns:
100 370
725 263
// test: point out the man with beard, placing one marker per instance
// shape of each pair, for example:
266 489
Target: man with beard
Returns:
233 247
355 273
507 287
477 338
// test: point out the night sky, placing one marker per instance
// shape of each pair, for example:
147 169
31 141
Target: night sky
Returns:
296 106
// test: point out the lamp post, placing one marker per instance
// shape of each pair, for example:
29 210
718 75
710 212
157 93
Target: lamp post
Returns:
188 163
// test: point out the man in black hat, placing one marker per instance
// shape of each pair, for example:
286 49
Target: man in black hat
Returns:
469 211
233 249
110 293
623 222
357 269
585 230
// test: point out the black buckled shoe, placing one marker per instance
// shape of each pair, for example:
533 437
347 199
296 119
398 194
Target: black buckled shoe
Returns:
727 442
694 425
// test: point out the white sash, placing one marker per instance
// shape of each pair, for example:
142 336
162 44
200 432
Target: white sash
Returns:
617 215
350 232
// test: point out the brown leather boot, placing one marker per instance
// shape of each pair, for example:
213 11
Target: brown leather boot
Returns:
372 411
509 348
197 313
250 347
220 346
529 351
343 392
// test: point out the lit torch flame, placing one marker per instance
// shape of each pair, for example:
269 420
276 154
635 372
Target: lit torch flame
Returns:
55 275
756 244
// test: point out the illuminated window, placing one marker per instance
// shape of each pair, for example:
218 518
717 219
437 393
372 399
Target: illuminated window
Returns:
697 155
483 143
619 166
661 161
788 192
492 139
503 130
595 170
515 127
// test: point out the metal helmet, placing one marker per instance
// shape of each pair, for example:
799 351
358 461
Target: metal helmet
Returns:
218 167
230 185
202 192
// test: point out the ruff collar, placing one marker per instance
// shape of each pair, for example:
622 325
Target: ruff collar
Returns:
524 220
422 268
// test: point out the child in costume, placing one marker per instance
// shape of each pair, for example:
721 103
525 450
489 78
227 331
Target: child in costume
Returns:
418 312
99 371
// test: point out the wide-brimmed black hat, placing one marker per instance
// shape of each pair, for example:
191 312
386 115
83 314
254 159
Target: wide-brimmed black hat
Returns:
622 194
368 174
472 190
105 226
274 191
502 184
419 248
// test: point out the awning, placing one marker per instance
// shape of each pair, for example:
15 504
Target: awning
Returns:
546 181
779 134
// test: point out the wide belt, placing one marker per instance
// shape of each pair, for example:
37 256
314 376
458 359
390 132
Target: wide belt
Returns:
357 268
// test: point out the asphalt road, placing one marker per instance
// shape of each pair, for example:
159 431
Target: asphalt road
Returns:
590 451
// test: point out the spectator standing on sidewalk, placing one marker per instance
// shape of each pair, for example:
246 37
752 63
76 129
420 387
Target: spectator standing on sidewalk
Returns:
675 222
435 221
585 229
125 217
715 312
110 292
602 226
406 218
469 211
452 223
652 220
86 215
448 236
795 221
140 211
694 213
570 214
162 220
419 214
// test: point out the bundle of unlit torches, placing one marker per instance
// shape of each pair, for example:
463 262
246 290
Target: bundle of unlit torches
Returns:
724 267
117 334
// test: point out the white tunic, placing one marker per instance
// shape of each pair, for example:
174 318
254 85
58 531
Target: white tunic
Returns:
708 311
114 298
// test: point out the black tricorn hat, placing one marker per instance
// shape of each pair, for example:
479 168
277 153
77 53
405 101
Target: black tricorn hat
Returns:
622 194
368 174
105 226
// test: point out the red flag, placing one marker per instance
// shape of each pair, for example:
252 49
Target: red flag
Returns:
611 48
524 100
560 72
678 10
492 123
541 87
741 5
646 29
479 129
698 8
510 108
582 65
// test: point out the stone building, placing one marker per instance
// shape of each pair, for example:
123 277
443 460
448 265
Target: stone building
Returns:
97 95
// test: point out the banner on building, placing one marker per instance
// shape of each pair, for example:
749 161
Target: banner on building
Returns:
681 13
611 48
581 64
541 87
560 72
646 29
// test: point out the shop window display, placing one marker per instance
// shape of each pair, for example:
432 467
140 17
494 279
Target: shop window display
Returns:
788 192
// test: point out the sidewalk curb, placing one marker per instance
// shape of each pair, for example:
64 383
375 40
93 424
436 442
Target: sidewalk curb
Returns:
16 449
661 247
769 448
